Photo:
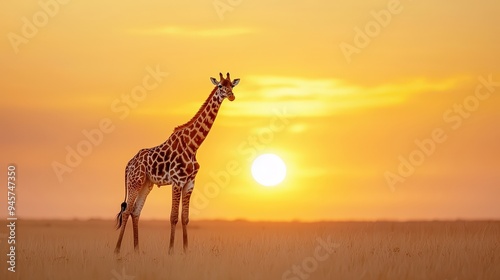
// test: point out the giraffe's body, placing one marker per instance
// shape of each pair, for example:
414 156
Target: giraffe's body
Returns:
171 163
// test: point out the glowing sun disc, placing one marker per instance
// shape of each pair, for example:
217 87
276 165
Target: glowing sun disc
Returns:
268 170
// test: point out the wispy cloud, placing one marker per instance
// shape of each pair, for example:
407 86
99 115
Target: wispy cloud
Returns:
193 32
319 97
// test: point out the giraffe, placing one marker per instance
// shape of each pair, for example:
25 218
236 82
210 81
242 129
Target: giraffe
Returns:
171 163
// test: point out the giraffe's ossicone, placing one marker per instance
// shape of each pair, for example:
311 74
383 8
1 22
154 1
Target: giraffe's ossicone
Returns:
171 163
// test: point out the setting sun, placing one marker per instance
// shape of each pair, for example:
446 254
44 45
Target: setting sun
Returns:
268 170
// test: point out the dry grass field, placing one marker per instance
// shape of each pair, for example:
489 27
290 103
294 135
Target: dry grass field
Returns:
246 250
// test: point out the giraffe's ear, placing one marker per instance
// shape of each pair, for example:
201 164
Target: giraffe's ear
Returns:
235 82
214 81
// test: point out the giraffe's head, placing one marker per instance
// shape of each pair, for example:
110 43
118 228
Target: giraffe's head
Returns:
225 87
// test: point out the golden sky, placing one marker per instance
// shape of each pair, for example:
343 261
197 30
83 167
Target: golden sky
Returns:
380 109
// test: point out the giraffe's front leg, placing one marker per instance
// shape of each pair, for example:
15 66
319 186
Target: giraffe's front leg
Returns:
174 215
186 195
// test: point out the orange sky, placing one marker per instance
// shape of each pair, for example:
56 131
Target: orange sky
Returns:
400 124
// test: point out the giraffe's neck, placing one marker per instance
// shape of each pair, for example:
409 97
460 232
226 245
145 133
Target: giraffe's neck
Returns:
199 126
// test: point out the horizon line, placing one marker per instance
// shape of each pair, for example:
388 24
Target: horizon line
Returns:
267 221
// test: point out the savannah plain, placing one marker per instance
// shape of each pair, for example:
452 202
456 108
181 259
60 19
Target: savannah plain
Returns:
258 250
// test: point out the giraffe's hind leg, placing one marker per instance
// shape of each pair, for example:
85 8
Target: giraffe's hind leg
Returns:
136 212
132 195
122 231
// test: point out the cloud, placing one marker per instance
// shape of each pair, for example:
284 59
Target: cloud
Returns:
194 32
260 95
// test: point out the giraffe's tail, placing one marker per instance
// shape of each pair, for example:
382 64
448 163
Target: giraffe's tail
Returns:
119 216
